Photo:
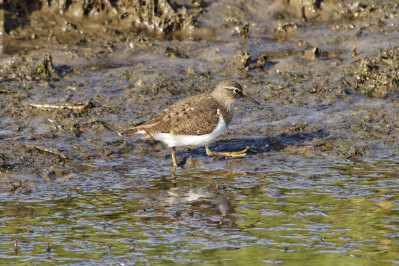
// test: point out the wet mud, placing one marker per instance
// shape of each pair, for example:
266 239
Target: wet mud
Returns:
74 74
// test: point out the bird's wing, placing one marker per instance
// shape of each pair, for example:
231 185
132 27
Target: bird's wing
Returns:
198 119
183 117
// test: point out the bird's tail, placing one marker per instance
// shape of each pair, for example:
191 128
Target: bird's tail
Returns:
141 128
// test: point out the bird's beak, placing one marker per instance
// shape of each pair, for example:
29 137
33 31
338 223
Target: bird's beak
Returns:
249 99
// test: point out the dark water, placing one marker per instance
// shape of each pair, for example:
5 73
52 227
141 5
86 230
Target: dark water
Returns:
297 212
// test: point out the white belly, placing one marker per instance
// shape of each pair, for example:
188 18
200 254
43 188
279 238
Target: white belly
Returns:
187 140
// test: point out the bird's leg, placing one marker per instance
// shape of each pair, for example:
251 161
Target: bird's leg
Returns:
173 153
227 154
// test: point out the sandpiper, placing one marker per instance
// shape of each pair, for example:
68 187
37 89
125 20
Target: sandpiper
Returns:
195 121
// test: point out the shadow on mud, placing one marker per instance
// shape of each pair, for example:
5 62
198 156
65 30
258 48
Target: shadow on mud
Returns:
259 144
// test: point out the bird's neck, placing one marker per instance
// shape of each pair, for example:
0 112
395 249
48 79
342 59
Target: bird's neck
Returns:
226 106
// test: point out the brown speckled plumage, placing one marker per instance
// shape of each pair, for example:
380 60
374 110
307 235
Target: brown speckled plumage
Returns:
196 115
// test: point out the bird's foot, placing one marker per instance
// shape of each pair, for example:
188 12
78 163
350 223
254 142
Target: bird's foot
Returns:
227 154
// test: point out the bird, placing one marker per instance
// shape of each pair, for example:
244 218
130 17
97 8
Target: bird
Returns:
195 121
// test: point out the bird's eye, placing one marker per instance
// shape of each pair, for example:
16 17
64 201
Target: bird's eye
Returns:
236 91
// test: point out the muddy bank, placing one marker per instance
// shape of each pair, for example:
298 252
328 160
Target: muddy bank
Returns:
67 22
314 82
60 22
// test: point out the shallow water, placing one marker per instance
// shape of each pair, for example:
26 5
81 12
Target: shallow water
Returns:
297 212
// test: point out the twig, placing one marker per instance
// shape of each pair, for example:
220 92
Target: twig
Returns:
54 106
